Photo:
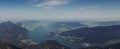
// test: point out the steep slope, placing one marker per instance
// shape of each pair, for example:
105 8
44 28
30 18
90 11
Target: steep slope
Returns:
95 35
12 33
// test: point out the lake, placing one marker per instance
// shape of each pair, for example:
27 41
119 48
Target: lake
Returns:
40 36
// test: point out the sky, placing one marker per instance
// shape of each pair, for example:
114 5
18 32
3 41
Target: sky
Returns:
93 10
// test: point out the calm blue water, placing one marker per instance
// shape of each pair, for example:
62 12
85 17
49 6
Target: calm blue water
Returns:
40 36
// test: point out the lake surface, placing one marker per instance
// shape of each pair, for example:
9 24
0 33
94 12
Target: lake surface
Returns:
40 36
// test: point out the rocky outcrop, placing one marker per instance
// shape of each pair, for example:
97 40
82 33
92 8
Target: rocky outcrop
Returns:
50 44
114 46
7 46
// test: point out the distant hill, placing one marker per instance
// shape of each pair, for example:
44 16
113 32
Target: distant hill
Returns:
100 23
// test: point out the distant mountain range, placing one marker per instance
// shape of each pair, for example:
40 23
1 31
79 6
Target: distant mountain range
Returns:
33 25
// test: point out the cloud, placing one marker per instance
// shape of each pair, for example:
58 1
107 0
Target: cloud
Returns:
94 6
52 3
90 8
